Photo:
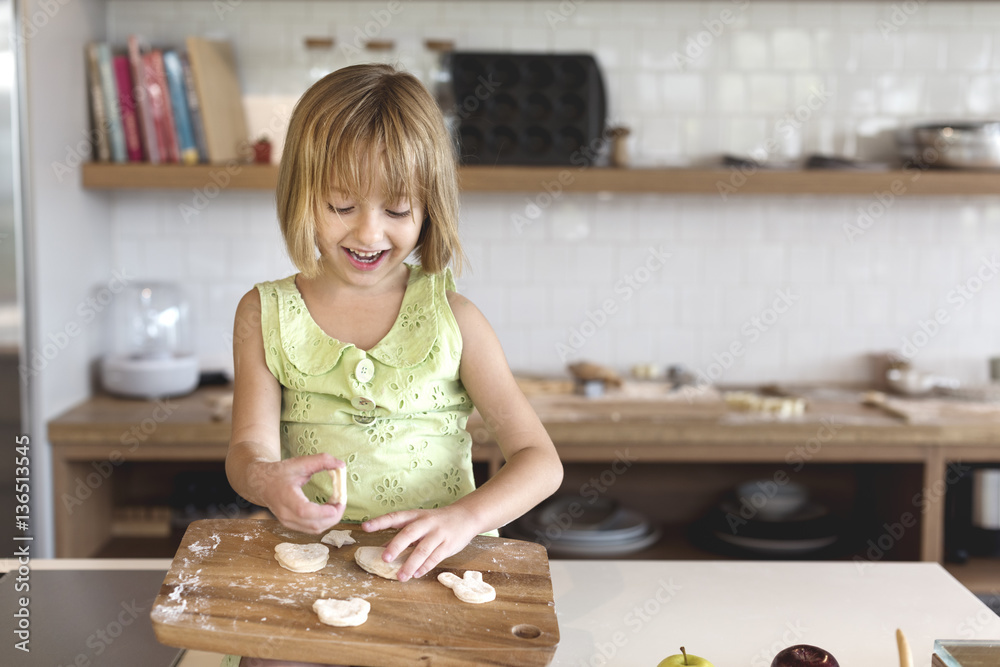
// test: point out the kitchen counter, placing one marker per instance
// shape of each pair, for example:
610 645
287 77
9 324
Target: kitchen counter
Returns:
907 459
643 418
733 613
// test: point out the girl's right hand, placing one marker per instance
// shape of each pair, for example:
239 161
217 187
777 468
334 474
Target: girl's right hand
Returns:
279 484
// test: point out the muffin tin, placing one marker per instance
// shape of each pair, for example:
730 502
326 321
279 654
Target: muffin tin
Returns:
530 109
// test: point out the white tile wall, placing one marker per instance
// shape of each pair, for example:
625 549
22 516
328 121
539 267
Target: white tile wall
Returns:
546 287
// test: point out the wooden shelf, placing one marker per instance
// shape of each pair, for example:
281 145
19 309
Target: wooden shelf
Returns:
103 176
979 575
574 179
676 543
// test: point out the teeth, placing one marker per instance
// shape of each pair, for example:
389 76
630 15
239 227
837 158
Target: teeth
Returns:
367 257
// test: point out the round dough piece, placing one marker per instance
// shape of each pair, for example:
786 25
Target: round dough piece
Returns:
370 560
302 557
342 613
470 588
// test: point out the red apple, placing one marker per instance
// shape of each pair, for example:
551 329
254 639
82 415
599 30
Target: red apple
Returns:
803 655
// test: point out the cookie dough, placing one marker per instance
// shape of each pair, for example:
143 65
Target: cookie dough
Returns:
342 613
470 588
302 557
338 538
338 496
775 406
370 560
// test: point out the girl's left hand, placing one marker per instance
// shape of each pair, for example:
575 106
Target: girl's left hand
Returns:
438 534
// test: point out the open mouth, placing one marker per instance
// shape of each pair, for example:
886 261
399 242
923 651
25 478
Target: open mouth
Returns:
365 258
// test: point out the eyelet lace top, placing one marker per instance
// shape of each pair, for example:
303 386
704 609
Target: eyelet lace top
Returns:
410 450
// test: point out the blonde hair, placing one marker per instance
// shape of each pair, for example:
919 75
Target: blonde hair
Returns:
351 122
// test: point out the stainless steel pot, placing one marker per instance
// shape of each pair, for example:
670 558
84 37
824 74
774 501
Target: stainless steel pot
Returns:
965 145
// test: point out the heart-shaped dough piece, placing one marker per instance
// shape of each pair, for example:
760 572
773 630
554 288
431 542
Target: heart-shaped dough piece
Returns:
338 538
302 557
370 560
342 613
470 588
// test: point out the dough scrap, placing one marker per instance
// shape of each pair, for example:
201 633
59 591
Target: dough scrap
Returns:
777 406
342 613
302 557
370 560
338 538
339 493
470 588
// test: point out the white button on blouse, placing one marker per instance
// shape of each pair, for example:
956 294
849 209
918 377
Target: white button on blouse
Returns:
363 403
365 370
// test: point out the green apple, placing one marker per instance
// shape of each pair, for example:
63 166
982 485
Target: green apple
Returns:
684 660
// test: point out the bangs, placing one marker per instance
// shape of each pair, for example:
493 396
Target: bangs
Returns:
374 138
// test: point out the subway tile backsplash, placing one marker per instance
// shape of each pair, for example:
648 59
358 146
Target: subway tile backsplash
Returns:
808 286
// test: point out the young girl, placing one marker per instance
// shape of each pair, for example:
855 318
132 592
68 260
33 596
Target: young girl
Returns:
366 362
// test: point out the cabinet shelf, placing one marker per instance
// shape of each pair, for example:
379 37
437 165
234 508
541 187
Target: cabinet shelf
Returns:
103 176
979 575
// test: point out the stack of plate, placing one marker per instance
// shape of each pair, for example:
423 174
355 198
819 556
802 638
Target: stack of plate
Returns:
586 527
787 524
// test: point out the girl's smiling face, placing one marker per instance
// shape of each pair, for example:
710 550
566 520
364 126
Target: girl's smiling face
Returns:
363 239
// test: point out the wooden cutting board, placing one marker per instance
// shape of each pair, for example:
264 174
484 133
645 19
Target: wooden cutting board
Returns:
226 593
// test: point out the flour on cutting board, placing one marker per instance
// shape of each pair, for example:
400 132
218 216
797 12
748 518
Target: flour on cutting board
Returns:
190 581
164 613
173 611
203 550
278 599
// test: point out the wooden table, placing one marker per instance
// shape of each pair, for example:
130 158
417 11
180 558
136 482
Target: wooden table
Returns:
683 448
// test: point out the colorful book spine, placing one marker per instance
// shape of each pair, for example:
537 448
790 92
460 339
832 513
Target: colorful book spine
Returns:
174 71
126 102
159 105
146 126
116 134
98 112
194 109
169 125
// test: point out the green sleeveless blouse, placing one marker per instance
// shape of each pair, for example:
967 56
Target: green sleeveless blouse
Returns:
396 414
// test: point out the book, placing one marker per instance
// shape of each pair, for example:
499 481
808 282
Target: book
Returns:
159 105
116 135
174 70
194 108
116 132
169 125
98 112
146 128
214 69
126 102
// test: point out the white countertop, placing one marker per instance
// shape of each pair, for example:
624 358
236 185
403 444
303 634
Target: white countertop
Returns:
734 613
738 613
